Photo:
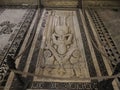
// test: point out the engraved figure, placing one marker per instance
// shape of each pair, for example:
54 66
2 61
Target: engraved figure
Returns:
61 54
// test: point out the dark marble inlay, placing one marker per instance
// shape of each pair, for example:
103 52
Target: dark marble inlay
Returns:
64 85
89 59
36 50
97 53
6 27
106 39
19 6
12 49
15 83
58 85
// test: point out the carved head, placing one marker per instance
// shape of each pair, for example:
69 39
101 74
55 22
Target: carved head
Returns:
62 38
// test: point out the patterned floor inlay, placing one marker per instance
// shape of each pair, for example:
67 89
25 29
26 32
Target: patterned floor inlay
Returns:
10 24
14 24
61 53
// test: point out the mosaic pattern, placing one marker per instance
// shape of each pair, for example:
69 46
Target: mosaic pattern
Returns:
1 11
87 49
37 82
9 28
62 57
98 54
62 3
105 38
16 43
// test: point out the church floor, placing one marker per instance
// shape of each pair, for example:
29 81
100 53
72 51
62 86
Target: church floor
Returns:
65 51
111 19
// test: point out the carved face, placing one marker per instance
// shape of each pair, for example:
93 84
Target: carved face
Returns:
62 38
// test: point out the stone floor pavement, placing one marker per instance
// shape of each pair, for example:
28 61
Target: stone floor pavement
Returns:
10 24
14 25
111 19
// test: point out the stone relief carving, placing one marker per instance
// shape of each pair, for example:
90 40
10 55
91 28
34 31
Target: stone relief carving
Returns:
61 54
6 27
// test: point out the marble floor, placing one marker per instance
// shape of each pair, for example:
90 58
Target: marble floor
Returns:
10 24
14 24
65 50
111 19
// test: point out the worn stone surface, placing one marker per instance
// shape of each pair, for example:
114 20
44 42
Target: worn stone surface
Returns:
10 22
111 19
61 52
16 41
62 57
64 3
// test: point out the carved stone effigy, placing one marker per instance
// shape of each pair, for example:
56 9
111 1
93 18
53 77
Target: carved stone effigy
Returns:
62 58
9 27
